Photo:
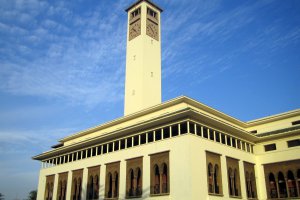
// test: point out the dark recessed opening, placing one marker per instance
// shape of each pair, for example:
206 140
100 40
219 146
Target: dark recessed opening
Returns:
158 134
166 132
174 130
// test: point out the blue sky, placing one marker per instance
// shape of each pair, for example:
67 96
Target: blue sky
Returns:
62 67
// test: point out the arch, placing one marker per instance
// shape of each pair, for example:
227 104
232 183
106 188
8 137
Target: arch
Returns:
131 182
272 186
110 183
60 190
164 178
79 189
138 182
90 187
116 192
210 178
252 185
235 189
74 197
230 181
156 180
216 179
291 183
96 187
47 192
281 185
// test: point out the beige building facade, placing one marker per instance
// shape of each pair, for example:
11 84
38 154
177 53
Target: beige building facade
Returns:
179 149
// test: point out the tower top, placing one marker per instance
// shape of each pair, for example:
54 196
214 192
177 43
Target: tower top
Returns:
140 1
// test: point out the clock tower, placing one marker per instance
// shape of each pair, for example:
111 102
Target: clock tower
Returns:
143 58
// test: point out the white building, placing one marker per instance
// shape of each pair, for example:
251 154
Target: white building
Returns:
179 149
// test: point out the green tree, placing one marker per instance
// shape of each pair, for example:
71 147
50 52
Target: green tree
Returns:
32 195
1 196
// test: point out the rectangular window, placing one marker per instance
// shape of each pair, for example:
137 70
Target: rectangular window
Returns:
104 148
228 140
205 132
89 153
94 150
174 130
293 143
129 142
62 159
166 131
223 138
110 147
217 136
192 127
143 138
123 144
183 128
116 147
136 140
83 154
75 156
238 142
79 155
198 130
70 157
234 142
270 147
211 135
66 159
296 122
248 147
243 146
150 137
158 134
99 150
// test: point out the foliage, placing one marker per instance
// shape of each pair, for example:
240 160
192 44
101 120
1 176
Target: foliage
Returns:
32 195
1 196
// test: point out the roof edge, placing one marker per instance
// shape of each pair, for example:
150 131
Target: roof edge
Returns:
148 1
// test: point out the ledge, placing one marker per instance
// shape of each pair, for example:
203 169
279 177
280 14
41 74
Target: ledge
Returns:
162 194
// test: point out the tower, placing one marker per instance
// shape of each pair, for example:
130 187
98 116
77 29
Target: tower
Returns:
143 58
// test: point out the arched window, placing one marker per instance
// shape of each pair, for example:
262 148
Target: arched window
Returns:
272 186
252 185
248 186
235 189
47 191
216 180
156 180
75 189
282 185
79 189
138 182
90 188
60 191
131 183
291 184
110 184
230 180
116 192
96 187
165 178
210 178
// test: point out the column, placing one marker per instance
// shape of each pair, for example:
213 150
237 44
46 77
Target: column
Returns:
277 185
69 185
84 183
102 178
146 177
287 187
113 189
